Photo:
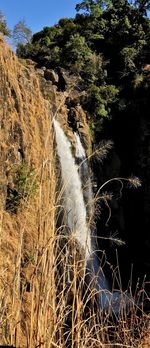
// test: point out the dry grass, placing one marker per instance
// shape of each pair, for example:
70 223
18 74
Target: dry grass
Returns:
44 301
27 238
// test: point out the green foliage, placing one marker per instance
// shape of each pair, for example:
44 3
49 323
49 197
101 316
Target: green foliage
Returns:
92 7
3 25
142 5
99 100
119 3
76 52
24 186
106 45
129 54
138 80
93 69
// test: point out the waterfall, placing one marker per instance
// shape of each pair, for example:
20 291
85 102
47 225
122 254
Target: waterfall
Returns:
95 275
77 200
84 175
80 152
74 202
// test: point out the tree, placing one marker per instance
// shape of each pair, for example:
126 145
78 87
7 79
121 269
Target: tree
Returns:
93 7
119 3
143 6
93 72
21 33
3 25
99 100
76 52
129 55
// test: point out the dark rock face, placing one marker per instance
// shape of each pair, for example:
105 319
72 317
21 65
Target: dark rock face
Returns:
134 150
130 214
62 83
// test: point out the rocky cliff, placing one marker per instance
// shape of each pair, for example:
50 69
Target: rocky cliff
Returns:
28 200
27 210
29 100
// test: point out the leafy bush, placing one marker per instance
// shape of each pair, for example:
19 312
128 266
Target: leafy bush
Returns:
100 98
76 52
129 55
23 187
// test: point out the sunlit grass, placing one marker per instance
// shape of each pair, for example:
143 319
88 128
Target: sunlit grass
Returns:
44 299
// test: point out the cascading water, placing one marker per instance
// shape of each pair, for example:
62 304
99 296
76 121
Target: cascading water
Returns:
95 275
77 201
74 202
84 176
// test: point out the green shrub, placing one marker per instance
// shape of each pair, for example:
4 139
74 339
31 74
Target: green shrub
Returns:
99 100
23 187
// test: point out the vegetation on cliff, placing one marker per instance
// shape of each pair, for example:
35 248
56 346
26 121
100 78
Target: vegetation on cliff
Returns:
106 46
39 304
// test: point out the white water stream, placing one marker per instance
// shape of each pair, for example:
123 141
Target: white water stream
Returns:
84 176
76 203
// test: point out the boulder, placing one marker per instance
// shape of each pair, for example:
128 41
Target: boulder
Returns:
50 75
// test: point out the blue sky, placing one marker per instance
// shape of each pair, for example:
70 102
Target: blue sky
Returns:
37 13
